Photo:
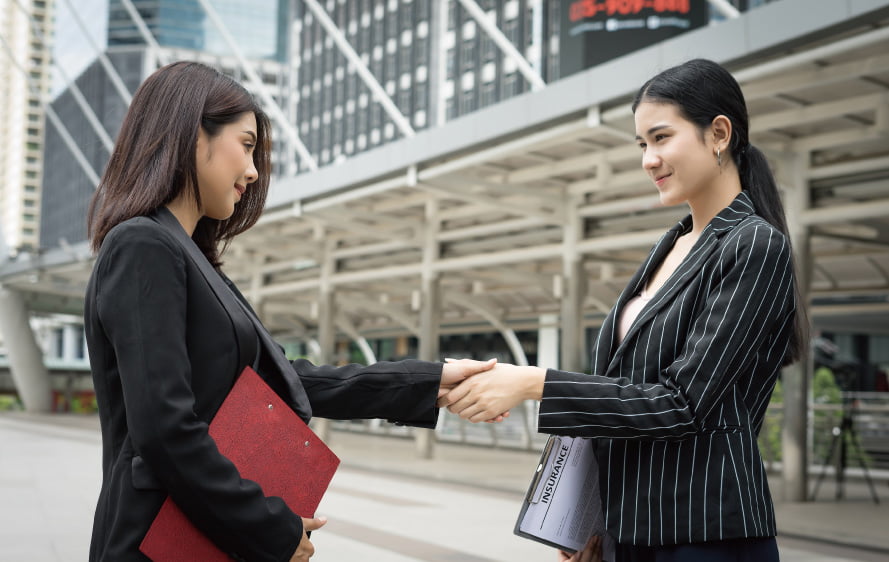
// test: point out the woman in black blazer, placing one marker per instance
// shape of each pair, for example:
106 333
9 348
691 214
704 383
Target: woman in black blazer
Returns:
168 333
688 357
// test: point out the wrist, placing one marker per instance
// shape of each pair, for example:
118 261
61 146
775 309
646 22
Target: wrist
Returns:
533 378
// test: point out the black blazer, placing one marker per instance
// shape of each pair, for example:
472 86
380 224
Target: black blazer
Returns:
167 336
678 404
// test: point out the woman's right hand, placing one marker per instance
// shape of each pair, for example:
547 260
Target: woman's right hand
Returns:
592 552
306 549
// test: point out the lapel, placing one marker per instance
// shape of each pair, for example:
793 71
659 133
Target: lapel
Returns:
690 267
247 325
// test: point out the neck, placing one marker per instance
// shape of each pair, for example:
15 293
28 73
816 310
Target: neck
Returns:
725 189
185 212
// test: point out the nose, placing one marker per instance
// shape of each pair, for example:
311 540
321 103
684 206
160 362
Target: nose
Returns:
650 159
250 174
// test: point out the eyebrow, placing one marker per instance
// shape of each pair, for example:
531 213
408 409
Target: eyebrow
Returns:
653 130
252 135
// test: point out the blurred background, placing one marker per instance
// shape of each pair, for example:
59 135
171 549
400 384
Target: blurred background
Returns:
458 178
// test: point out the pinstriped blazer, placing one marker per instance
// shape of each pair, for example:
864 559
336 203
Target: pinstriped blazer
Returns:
677 404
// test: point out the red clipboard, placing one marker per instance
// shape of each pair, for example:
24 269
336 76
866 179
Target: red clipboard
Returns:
270 445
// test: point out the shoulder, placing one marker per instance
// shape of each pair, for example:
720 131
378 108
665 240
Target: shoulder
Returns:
138 232
753 236
139 242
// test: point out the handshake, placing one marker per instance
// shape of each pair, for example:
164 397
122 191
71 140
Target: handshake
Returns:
485 391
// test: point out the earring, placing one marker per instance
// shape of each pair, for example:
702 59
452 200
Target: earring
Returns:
719 158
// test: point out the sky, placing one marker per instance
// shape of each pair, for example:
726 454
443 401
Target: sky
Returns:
72 51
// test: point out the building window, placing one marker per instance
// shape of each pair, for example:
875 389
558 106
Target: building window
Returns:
58 348
79 343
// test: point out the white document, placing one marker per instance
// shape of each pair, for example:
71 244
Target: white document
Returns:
563 507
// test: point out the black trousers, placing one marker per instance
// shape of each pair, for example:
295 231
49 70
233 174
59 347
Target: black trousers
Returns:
757 549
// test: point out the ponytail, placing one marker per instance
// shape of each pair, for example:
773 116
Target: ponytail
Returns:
759 182
757 179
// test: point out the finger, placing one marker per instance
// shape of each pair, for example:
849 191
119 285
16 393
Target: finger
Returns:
476 413
458 393
479 416
461 405
313 523
500 417
475 367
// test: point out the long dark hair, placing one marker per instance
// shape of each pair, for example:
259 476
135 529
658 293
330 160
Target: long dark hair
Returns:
702 90
153 160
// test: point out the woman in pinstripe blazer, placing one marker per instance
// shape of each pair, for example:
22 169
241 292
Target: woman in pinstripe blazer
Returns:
688 357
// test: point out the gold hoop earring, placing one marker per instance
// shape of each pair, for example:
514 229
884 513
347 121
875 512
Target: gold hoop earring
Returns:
719 158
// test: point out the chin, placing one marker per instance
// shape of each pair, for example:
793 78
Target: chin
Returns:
222 216
670 200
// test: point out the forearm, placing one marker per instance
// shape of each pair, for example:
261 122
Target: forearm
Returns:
401 391
594 406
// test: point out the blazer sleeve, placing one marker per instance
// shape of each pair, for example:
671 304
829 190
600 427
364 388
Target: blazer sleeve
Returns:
142 302
403 392
751 300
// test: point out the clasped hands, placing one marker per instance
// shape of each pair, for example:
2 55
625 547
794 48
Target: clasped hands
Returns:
486 390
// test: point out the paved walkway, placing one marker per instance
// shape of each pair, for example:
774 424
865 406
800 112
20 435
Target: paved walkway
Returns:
385 504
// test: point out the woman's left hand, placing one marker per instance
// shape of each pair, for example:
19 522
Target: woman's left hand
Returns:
592 552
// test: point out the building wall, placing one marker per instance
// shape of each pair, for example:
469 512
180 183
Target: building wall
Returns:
432 59
23 83
258 25
67 188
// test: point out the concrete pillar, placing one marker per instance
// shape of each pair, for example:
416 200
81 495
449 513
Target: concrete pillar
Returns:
430 314
29 374
326 327
795 378
572 341
548 341
573 291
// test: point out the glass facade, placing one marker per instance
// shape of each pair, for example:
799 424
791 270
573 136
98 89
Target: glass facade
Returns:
258 26
336 113
399 41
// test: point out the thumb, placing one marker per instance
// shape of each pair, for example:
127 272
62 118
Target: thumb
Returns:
312 524
476 367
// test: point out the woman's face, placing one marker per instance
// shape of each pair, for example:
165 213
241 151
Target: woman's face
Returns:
678 160
225 166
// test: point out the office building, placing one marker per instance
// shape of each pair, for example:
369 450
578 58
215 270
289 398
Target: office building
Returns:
66 183
436 62
432 60
259 26
25 26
